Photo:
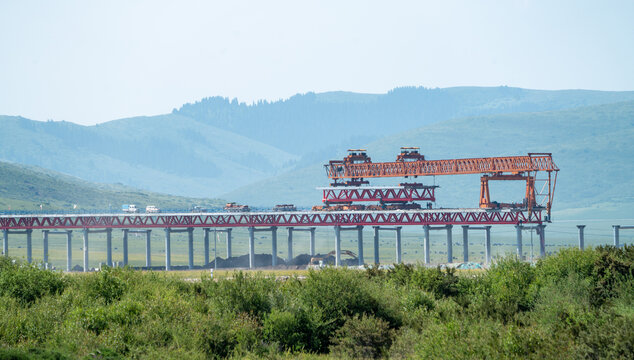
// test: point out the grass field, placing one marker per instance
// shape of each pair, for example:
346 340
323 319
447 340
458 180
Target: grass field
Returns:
560 234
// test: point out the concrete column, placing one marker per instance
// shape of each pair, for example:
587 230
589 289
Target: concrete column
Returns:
337 245
168 250
45 245
360 244
581 239
29 246
312 241
426 243
487 244
274 246
616 234
206 246
251 247
376 245
215 250
518 232
449 244
109 247
69 250
465 243
85 250
229 243
125 247
542 241
399 246
5 242
290 245
190 247
148 249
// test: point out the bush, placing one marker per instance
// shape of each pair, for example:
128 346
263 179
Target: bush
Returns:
294 331
612 267
105 285
510 288
28 283
364 337
242 294
436 281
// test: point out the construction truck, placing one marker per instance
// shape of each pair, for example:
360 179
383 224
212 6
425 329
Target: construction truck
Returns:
131 208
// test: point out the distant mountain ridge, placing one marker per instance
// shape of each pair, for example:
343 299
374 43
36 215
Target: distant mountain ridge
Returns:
217 146
317 121
593 146
27 187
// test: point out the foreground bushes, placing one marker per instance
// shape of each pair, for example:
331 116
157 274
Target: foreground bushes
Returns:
575 304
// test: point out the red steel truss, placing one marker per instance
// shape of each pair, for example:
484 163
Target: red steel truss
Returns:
493 165
383 194
265 219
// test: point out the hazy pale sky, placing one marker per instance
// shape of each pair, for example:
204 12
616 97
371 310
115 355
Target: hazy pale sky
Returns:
94 61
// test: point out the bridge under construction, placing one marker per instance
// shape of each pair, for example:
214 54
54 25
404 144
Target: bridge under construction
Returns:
349 203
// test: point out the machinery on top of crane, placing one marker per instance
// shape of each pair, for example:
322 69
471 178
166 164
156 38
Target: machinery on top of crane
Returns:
354 169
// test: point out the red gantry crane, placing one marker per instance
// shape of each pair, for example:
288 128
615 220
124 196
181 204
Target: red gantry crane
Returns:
534 168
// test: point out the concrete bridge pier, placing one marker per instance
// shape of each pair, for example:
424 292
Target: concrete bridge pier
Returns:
465 243
5 242
274 244
29 246
228 243
518 235
541 230
206 245
376 245
312 241
290 245
487 241
251 247
125 247
190 247
426 229
449 244
69 250
45 245
337 245
168 250
109 247
360 245
85 248
581 239
616 234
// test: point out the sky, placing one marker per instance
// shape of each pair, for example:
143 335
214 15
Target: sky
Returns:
93 61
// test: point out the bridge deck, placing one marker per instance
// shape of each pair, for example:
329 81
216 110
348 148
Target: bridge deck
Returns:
266 219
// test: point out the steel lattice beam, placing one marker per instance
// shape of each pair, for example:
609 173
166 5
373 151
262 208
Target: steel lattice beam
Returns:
335 195
266 219
507 164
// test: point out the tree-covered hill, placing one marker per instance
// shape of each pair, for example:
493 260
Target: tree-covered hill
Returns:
216 146
593 146
26 187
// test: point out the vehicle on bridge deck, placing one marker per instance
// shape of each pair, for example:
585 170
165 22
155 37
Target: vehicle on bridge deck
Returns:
233 207
151 209
285 207
131 208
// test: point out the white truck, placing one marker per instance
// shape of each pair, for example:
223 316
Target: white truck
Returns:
151 209
131 208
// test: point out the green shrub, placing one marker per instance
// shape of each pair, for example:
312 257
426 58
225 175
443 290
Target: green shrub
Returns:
364 337
242 294
566 262
28 283
106 285
30 354
510 287
612 267
434 280
294 331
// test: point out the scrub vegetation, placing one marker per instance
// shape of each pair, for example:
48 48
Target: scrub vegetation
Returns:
575 304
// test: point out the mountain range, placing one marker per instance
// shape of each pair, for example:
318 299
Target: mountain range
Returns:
272 152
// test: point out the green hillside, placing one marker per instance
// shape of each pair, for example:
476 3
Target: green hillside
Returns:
26 187
592 146
167 153
313 123
217 146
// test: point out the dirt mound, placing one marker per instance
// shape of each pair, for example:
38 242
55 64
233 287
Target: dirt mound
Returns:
260 260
